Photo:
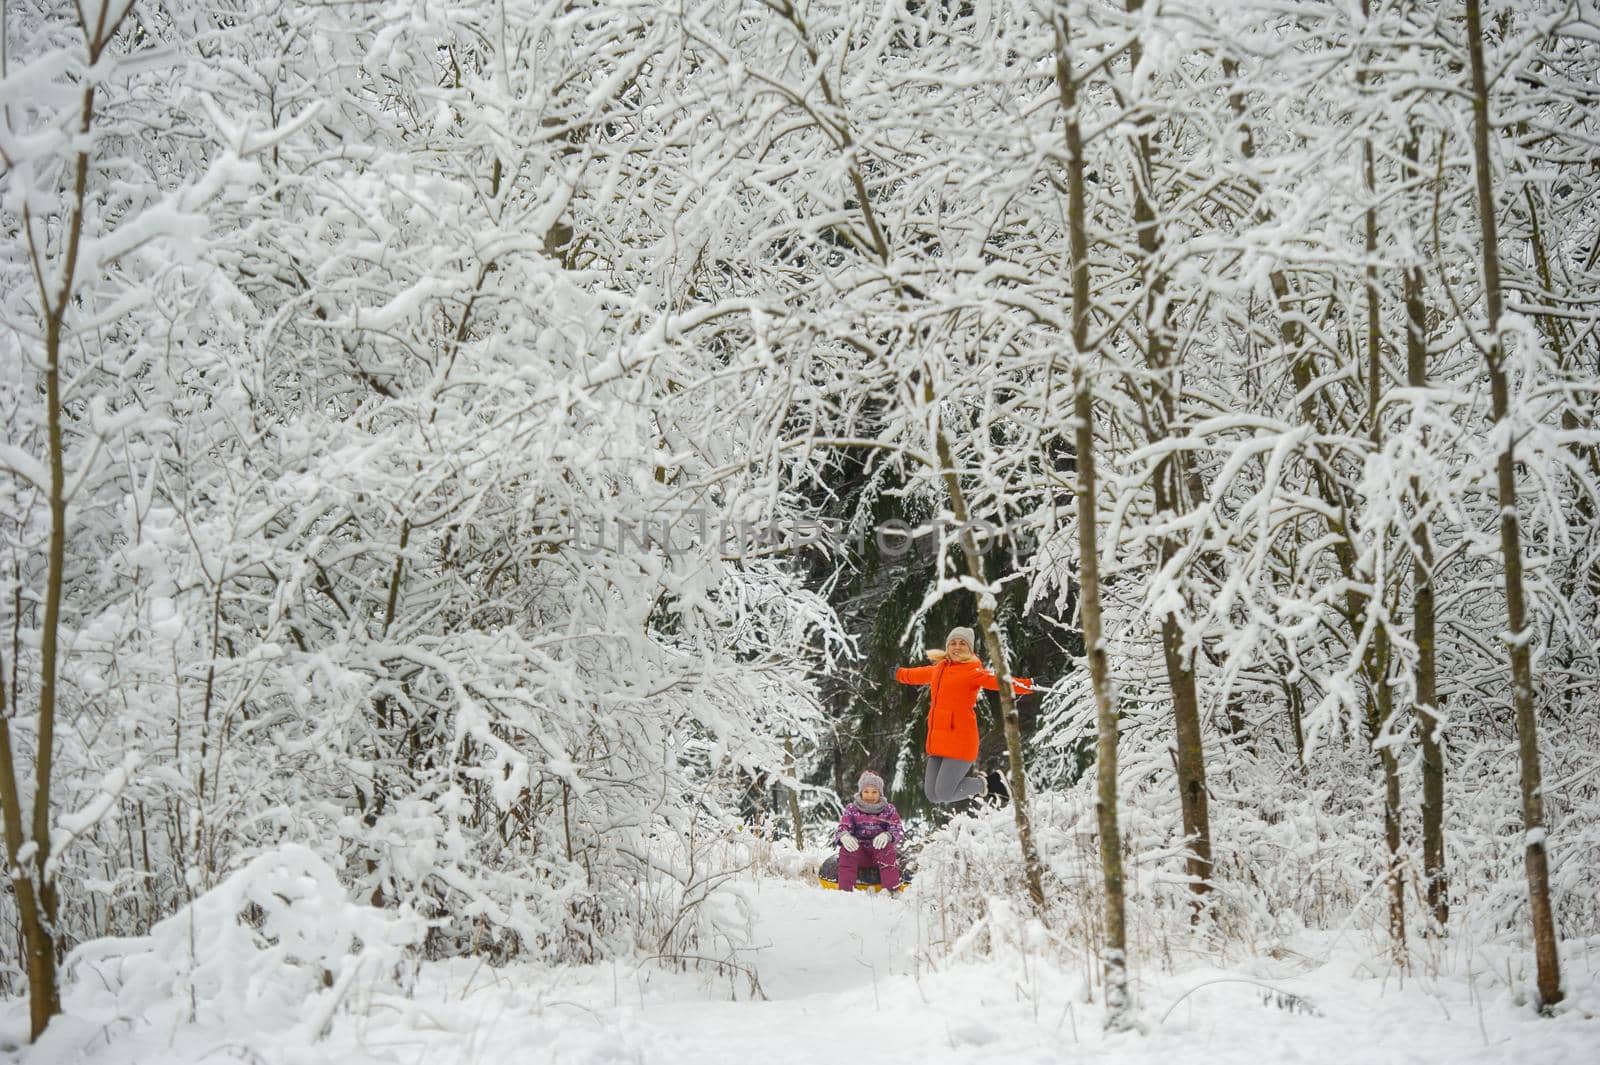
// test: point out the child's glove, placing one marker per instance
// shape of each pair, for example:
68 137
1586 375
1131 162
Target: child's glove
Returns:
880 841
849 842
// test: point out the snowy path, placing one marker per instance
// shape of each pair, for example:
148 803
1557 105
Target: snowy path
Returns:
839 973
813 942
827 963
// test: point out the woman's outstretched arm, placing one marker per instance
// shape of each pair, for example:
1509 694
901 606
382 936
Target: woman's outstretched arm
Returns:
915 674
990 682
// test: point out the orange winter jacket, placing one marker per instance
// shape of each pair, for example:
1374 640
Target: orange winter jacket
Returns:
952 724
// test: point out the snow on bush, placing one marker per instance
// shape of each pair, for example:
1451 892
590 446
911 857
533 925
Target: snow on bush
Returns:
279 941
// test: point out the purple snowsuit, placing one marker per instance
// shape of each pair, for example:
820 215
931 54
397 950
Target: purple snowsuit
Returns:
865 827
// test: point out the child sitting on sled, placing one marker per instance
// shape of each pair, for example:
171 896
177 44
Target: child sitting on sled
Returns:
869 831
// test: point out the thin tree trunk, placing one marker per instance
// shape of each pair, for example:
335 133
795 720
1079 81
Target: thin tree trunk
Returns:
1538 868
37 900
1115 961
1424 628
1382 696
1392 837
385 706
44 997
794 795
1170 499
38 943
1296 700
39 915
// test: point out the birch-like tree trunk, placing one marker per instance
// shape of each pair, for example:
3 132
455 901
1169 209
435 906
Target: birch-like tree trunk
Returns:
1381 698
1518 633
794 794
1424 627
1115 953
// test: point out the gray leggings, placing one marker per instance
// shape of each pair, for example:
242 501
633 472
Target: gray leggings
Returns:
946 780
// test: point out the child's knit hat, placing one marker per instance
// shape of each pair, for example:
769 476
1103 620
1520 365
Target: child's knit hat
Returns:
869 779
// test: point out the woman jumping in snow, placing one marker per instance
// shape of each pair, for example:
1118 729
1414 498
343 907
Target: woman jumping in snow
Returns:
869 830
954 679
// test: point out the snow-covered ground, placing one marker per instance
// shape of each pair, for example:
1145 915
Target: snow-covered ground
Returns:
849 977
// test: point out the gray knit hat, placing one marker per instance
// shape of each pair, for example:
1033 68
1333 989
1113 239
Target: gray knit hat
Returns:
869 779
961 632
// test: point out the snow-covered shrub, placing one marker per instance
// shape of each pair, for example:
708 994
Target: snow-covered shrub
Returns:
975 859
279 941
783 858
